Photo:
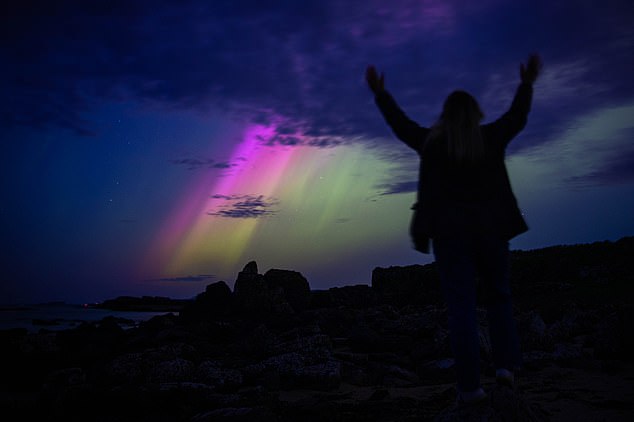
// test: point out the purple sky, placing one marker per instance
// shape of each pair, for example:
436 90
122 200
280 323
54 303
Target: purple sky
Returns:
154 147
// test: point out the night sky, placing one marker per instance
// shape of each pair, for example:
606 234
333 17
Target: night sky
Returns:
154 147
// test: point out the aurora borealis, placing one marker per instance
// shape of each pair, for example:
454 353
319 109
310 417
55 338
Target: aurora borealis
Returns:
150 148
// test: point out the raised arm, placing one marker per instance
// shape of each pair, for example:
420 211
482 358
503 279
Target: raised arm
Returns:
403 127
514 120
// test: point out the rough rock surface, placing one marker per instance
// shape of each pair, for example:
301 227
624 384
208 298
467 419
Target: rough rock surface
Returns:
281 352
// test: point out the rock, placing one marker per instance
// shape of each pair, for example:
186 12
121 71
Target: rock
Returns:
169 363
503 404
263 360
66 377
322 376
257 343
224 379
510 405
301 358
171 351
360 296
574 322
313 345
436 371
126 369
410 285
536 324
42 342
175 370
613 337
567 352
365 339
218 292
533 331
247 278
247 414
228 413
159 323
251 295
626 327
187 387
355 373
216 300
294 285
396 376
320 299
250 268
379 394
287 364
255 296
276 302
297 371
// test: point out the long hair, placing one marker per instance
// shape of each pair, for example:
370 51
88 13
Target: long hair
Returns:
459 123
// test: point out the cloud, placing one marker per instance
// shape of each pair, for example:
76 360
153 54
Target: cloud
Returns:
596 149
408 19
194 163
187 279
245 206
556 99
275 129
616 170
198 163
562 82
307 65
399 187
402 172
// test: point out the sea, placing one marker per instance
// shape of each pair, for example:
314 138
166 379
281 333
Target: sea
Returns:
62 316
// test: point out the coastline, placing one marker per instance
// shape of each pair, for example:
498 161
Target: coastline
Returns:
271 349
62 316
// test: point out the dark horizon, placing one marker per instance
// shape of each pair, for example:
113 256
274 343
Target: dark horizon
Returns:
230 283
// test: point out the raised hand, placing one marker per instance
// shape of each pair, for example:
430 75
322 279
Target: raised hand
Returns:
530 72
375 82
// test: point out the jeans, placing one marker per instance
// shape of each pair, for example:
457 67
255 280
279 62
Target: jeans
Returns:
460 260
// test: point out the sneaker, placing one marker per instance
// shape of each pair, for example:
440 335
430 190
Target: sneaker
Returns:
504 377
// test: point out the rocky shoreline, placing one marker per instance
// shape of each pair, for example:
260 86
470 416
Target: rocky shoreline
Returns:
142 304
272 349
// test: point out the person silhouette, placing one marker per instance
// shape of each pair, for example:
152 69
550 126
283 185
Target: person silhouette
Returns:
467 210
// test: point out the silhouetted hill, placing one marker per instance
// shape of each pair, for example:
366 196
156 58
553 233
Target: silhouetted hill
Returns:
599 273
547 278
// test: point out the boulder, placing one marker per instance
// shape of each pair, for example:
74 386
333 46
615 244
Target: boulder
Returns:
409 285
502 404
251 294
294 285
279 292
360 296
613 337
215 300
174 370
213 374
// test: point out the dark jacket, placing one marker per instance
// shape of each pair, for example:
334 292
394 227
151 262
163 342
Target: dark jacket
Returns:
456 200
